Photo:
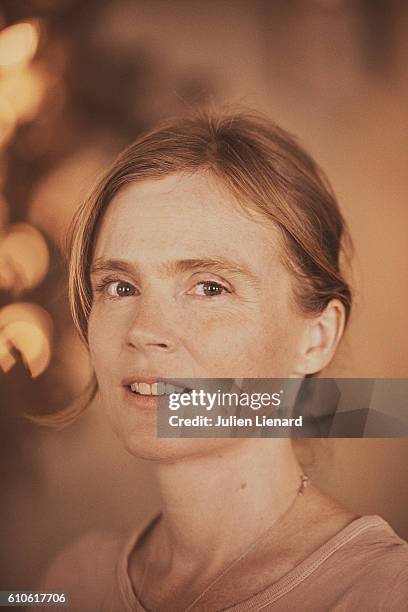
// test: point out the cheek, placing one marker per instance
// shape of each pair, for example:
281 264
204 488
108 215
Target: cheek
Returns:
103 342
280 345
263 345
250 344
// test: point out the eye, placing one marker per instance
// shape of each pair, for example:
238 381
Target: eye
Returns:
120 289
209 289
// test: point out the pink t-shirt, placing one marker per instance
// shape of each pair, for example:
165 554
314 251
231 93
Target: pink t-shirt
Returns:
363 568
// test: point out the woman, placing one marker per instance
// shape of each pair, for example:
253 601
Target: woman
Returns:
211 250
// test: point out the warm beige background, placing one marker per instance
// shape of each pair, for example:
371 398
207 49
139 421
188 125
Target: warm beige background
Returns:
304 64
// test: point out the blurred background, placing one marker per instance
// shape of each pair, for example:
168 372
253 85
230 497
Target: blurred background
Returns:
80 80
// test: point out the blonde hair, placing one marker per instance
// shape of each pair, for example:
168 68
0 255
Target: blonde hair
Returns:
263 167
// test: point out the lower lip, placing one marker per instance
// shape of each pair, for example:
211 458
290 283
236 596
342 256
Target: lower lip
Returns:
149 402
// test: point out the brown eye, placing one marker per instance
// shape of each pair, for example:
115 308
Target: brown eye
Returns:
210 289
121 289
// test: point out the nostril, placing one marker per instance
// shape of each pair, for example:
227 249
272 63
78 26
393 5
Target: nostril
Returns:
140 339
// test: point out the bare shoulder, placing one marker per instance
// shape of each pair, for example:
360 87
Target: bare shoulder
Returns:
86 560
85 570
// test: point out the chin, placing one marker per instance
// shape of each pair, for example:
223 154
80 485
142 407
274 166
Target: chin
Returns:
170 450
137 432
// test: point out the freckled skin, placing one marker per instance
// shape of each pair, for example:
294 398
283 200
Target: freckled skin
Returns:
168 328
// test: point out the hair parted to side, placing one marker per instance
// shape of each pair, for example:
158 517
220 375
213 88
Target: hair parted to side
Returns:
262 166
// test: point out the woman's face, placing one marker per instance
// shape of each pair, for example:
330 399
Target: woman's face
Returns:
185 285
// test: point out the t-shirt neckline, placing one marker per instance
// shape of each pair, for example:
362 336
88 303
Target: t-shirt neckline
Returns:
271 593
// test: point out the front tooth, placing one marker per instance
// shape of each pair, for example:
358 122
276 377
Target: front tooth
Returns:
134 387
161 388
145 389
158 388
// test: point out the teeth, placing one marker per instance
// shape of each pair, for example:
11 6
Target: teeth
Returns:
145 389
159 388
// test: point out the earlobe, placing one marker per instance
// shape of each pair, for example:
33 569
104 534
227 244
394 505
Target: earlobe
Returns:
321 338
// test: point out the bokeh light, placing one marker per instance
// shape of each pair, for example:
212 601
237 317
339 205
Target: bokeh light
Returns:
23 90
8 119
24 258
27 328
18 44
7 359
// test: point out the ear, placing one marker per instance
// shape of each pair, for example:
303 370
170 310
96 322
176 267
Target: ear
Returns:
320 339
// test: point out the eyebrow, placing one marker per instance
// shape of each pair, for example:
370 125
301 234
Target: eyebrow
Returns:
211 264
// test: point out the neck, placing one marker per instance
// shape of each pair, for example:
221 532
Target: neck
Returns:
213 507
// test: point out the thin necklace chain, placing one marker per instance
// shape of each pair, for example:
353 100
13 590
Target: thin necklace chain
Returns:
303 483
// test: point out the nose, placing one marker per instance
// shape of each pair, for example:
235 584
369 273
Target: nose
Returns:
151 328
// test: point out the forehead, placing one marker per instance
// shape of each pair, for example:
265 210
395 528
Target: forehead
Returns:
183 216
